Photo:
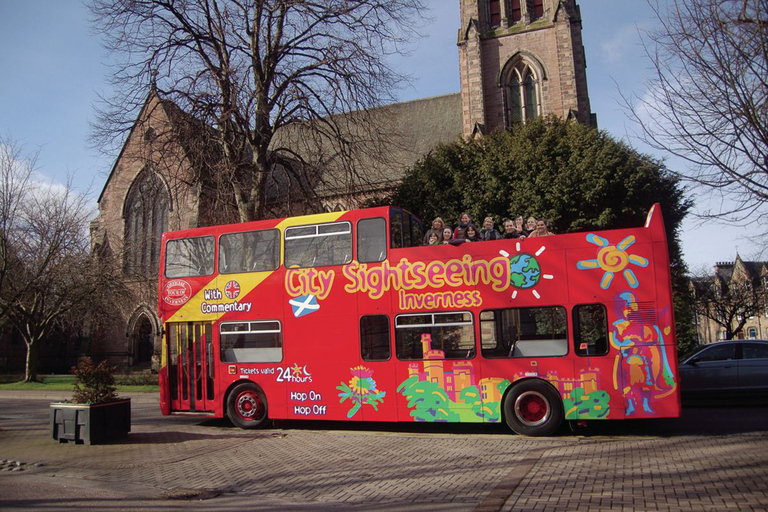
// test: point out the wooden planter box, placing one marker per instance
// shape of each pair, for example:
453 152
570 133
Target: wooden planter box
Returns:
90 424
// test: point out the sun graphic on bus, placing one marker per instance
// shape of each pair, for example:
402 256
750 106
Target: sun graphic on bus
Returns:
612 259
525 270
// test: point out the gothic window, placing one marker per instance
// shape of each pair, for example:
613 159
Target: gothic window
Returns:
494 12
516 11
538 9
522 93
146 217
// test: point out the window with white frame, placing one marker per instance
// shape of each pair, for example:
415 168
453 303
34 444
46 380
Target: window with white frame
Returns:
522 92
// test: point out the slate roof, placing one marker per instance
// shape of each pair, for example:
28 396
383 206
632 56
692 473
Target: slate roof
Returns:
411 130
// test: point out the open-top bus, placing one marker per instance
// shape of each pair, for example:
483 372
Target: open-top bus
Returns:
343 316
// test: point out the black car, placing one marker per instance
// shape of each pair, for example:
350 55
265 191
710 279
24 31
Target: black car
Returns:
726 369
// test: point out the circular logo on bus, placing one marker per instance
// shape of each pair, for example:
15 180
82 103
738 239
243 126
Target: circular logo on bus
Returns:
524 271
232 289
176 292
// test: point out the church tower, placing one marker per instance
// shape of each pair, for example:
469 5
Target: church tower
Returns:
521 59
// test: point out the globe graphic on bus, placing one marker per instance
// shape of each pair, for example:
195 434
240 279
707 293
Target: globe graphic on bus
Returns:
524 271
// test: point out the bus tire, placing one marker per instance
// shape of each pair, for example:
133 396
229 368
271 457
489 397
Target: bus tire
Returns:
247 406
533 408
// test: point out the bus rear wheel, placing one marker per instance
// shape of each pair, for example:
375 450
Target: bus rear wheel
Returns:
247 406
533 408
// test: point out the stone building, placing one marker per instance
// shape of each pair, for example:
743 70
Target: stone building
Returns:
519 59
736 292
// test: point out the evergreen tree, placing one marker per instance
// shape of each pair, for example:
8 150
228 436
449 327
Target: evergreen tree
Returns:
576 177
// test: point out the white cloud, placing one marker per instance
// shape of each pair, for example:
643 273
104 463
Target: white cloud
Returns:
620 43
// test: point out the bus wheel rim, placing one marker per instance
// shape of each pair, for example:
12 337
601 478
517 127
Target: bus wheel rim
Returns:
248 405
532 408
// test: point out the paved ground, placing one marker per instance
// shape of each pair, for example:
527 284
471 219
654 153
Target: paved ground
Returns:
711 459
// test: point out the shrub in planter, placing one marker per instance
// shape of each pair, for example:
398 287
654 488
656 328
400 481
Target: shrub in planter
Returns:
96 414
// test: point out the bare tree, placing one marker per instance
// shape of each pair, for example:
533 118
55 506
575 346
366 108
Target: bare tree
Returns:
729 304
47 276
707 102
255 69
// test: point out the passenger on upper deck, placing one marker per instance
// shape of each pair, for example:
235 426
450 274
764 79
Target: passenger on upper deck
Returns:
510 231
520 227
433 238
489 232
530 224
464 221
437 228
471 234
447 235
541 229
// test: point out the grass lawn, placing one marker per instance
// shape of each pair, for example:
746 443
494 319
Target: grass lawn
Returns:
125 383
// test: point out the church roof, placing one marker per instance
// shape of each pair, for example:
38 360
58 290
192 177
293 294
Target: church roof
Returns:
421 125
411 129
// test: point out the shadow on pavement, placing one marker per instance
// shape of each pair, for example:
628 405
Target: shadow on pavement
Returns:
696 419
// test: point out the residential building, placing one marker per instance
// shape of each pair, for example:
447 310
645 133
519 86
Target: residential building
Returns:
732 300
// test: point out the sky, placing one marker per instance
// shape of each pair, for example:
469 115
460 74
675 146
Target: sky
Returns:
54 70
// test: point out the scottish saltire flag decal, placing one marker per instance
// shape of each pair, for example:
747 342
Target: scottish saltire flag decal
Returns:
304 305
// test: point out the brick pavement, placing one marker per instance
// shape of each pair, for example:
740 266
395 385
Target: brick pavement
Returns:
175 462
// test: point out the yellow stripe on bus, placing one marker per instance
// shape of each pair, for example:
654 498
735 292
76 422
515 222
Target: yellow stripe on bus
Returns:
192 310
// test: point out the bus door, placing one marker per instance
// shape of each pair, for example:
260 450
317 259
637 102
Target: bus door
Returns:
191 367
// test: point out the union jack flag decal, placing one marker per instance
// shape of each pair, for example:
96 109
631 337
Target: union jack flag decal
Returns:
232 289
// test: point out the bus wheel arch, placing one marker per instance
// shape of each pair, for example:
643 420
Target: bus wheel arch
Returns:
246 406
533 407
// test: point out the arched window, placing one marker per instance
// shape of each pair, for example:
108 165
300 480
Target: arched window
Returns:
538 9
146 217
494 12
516 11
521 92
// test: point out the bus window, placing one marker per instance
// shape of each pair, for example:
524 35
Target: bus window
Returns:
318 245
524 332
374 338
253 251
189 257
371 240
407 242
417 232
450 336
590 330
396 229
251 342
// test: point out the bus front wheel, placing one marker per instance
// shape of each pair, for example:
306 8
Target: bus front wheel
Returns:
247 406
533 408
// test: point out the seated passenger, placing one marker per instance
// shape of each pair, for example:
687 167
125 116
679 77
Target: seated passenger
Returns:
437 228
541 229
489 232
433 238
464 221
510 231
447 236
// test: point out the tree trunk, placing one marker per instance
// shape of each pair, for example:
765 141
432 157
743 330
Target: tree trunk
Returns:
31 362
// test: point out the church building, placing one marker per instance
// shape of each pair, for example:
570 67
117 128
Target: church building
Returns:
519 59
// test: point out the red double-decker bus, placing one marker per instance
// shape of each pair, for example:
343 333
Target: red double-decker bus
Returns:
343 316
